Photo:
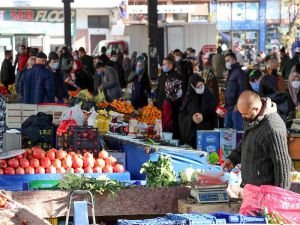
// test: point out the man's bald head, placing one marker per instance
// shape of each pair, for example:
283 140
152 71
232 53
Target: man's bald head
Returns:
249 105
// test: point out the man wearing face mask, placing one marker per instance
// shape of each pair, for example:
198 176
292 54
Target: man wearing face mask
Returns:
197 111
7 70
263 152
87 60
118 67
254 79
60 89
140 84
39 83
168 72
236 83
183 67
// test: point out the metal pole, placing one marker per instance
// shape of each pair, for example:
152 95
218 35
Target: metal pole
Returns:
67 15
152 33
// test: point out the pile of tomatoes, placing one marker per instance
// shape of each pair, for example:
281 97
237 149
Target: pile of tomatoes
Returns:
38 161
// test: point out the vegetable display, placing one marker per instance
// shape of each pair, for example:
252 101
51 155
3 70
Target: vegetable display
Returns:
100 185
159 173
37 161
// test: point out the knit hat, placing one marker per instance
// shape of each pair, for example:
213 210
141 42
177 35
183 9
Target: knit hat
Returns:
53 56
41 55
173 89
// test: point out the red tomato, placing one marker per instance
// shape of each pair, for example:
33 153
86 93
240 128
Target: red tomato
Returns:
20 171
111 161
14 163
103 154
88 162
88 170
119 168
3 163
67 162
34 163
77 163
45 162
97 170
61 154
79 170
38 153
29 170
100 163
60 170
24 163
9 171
107 169
51 154
56 163
40 170
51 169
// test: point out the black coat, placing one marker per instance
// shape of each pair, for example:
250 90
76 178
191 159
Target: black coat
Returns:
84 80
160 91
206 105
7 73
88 62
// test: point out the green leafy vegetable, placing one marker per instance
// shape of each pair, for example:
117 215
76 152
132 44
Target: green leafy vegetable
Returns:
159 173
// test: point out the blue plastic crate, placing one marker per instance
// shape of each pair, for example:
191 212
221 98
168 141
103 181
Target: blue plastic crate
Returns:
156 221
193 219
240 219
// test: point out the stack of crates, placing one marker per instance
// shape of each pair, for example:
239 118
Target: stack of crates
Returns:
16 114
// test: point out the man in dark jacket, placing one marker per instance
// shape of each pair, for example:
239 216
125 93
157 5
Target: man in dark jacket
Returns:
126 65
236 83
118 67
60 89
263 153
103 56
38 84
168 72
87 60
7 70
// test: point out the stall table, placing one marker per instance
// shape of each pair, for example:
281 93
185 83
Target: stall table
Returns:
137 153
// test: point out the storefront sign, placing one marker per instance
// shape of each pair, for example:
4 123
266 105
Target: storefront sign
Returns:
33 15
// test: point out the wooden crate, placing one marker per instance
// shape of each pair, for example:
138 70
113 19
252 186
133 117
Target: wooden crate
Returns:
191 206
294 147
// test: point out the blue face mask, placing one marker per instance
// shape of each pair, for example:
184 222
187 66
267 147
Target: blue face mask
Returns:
138 70
165 69
255 86
100 74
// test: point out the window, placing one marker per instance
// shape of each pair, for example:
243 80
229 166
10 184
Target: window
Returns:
238 11
98 21
273 12
252 11
224 12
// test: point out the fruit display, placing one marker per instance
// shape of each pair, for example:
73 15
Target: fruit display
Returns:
103 121
12 89
3 90
73 94
103 105
121 106
149 114
38 161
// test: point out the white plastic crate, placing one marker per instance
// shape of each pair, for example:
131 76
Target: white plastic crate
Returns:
16 114
55 110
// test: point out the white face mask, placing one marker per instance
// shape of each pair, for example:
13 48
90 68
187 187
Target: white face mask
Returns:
179 93
177 58
114 59
200 90
228 65
296 84
54 66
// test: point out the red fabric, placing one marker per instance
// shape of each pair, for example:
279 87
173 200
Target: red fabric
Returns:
167 121
22 61
79 66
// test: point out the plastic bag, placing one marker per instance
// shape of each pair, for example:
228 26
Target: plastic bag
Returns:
210 178
286 203
75 113
92 118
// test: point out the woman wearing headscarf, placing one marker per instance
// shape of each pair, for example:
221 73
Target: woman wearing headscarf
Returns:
294 92
197 111
80 78
140 84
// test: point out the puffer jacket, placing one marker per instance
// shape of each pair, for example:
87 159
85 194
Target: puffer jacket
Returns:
236 83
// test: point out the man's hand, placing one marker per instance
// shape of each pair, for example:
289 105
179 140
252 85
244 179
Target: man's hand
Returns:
197 118
227 165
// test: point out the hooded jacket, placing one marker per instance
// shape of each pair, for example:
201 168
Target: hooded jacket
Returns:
236 83
263 152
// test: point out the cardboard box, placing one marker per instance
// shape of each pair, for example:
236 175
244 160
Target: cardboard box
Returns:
119 155
208 140
228 139
12 141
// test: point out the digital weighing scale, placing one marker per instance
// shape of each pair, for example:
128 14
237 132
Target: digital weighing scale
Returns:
210 194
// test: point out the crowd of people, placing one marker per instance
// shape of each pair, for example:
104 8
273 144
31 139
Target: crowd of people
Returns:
187 89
